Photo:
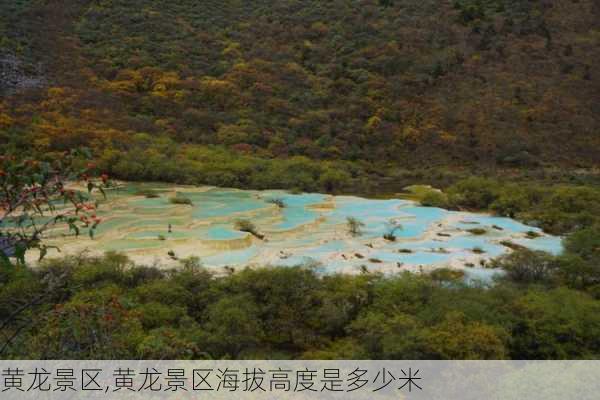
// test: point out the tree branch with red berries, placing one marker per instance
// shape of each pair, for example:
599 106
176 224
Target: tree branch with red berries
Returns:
37 195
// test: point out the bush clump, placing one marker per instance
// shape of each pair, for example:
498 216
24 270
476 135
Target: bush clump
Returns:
477 231
354 226
278 202
392 226
434 198
181 200
245 225
147 193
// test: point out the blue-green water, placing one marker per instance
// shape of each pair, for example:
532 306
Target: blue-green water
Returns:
310 227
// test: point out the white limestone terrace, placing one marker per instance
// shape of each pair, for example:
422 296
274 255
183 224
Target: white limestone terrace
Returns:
310 228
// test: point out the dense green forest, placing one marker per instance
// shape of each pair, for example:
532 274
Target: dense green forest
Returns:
89 308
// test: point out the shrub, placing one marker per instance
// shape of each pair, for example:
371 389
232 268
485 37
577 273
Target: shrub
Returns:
278 202
245 225
477 231
354 226
181 200
156 314
512 245
147 193
434 198
138 275
475 193
527 266
442 275
532 234
94 272
511 201
392 227
333 179
162 291
585 243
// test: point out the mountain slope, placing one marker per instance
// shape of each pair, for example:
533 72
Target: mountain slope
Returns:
406 82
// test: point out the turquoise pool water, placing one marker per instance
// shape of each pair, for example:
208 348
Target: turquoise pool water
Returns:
310 227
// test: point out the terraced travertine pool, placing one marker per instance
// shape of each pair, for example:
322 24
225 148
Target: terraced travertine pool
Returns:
309 228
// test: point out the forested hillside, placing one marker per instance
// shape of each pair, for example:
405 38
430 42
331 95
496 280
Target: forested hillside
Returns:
222 90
